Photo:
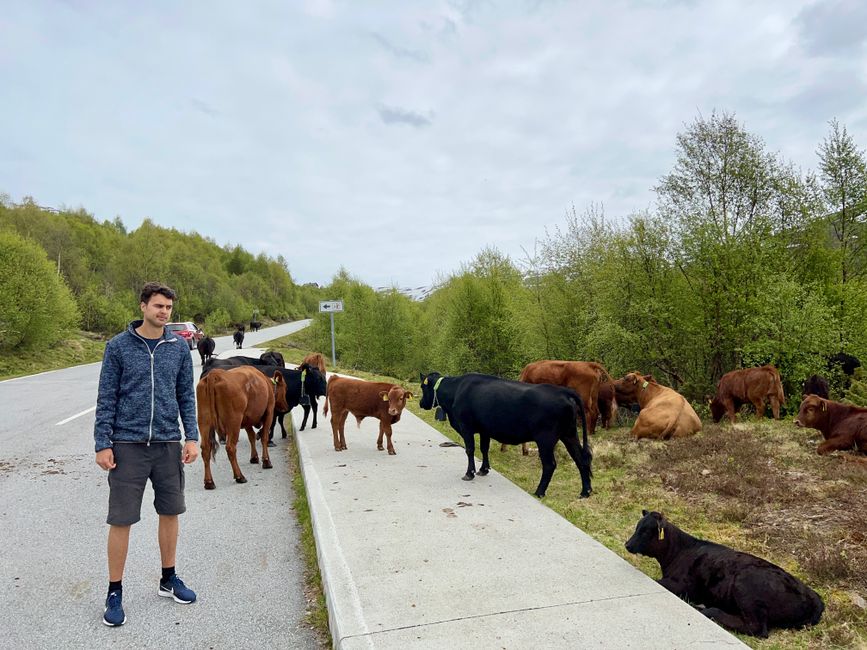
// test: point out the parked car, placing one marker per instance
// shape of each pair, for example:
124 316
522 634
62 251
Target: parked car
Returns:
188 331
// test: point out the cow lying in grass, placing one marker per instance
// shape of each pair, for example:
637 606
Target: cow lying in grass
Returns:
511 412
843 426
665 413
737 590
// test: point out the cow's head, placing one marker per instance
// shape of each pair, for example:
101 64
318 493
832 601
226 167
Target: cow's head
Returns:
396 397
280 403
650 536
314 381
427 390
628 387
813 411
717 409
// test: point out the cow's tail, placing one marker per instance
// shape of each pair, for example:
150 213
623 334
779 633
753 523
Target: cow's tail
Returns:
586 452
779 385
327 394
213 423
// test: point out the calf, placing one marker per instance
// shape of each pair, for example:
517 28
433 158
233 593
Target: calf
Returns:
739 591
229 400
314 360
748 385
364 399
816 385
238 338
664 414
206 348
511 412
842 426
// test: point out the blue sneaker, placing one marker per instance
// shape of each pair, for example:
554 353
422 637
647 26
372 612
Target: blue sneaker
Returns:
175 588
114 615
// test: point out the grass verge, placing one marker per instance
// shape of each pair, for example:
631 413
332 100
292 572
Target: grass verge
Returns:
80 348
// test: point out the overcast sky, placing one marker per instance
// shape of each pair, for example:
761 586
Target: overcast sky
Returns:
397 139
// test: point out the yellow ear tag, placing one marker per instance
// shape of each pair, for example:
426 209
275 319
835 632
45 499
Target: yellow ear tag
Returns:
274 381
409 397
824 406
644 385
425 381
385 397
661 532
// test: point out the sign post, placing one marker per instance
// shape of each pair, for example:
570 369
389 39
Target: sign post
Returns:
331 306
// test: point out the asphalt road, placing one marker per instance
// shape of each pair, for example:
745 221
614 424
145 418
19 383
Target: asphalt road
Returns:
238 544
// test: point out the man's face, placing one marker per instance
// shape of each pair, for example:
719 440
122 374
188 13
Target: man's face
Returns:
157 311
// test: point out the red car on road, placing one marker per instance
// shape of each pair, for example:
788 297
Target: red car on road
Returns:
188 331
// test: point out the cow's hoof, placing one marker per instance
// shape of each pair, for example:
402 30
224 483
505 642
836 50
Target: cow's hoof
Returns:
240 480
468 477
483 472
392 452
266 464
284 434
380 447
254 461
313 427
301 428
271 443
209 485
525 452
538 494
585 495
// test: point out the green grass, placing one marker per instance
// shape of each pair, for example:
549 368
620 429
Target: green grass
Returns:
79 348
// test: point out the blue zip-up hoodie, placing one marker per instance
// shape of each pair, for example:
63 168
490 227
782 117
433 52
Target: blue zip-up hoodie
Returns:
141 393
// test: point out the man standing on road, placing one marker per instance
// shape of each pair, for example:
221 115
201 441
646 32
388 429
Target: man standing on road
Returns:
146 381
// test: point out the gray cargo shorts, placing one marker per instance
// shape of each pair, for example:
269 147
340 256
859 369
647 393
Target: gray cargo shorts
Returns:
136 463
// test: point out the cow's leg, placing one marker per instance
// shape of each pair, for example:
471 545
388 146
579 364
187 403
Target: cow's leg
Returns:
251 436
315 407
755 623
775 407
837 443
306 410
549 463
266 439
343 430
231 452
484 446
470 448
583 461
731 411
279 419
760 408
335 428
207 440
386 429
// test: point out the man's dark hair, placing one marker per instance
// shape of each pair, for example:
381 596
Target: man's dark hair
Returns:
155 287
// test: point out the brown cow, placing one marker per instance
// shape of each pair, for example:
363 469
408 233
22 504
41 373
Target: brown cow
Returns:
748 385
843 426
374 399
228 400
665 413
587 378
315 360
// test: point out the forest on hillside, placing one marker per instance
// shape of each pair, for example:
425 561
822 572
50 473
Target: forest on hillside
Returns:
744 260
61 270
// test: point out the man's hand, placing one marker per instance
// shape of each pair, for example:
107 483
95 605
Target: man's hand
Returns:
191 451
105 458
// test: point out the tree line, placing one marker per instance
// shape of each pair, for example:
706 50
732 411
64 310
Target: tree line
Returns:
743 260
61 270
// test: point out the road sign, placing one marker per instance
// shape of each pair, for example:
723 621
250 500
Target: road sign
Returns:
330 305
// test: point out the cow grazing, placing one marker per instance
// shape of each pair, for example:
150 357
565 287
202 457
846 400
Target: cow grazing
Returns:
512 412
206 348
314 360
607 403
255 325
238 337
584 377
842 426
748 386
364 399
816 385
665 413
739 591
228 400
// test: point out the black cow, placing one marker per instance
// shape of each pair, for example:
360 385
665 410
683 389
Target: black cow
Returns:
314 383
255 325
512 412
206 348
739 591
269 358
238 338
846 362
816 385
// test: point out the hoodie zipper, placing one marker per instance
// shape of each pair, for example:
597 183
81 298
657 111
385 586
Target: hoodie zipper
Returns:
153 387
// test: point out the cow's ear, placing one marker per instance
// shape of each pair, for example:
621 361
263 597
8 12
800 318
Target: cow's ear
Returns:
409 395
384 395
421 377
278 377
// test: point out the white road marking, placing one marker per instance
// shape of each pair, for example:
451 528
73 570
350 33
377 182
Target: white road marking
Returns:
77 415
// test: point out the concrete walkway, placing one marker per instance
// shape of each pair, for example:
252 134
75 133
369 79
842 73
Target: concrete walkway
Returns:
411 556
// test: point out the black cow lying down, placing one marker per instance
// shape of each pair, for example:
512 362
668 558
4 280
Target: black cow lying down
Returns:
511 412
739 591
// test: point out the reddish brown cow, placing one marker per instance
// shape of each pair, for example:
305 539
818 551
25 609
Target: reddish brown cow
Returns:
580 376
665 413
315 360
843 426
228 400
364 399
748 385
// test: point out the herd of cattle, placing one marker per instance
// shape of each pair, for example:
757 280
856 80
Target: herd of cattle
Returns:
550 402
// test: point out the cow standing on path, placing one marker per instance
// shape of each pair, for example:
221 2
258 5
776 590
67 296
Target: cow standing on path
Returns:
206 348
739 591
511 412
748 386
238 337
314 360
364 399
843 426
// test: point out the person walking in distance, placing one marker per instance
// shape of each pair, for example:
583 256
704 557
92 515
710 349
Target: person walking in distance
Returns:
145 383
